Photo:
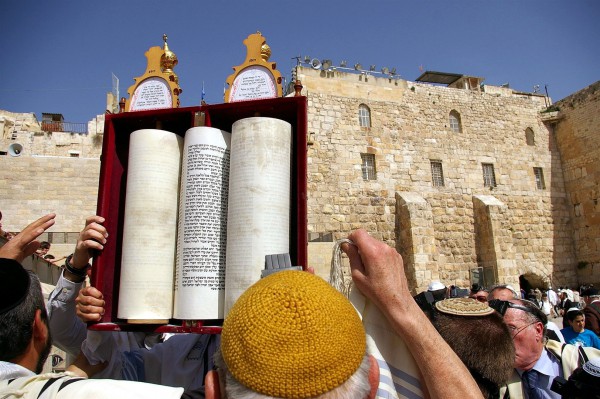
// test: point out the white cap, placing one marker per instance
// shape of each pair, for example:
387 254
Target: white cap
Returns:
435 285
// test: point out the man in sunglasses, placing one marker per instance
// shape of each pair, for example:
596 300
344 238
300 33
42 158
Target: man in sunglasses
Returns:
537 360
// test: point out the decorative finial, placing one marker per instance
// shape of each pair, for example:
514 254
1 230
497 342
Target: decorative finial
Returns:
265 52
168 59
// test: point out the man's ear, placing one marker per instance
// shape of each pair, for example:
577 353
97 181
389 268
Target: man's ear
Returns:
40 329
373 377
212 389
539 331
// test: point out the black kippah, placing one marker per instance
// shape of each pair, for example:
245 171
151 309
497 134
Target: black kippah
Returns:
14 284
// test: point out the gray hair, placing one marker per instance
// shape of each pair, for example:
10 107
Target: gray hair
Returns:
357 386
504 287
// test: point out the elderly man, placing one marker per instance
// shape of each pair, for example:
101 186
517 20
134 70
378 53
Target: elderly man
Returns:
504 292
292 335
591 296
537 360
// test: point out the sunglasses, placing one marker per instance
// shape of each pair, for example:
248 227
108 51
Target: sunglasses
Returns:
500 306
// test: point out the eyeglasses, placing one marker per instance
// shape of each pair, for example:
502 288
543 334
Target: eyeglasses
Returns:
514 331
500 306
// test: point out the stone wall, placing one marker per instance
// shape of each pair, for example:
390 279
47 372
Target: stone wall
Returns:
410 128
548 235
56 172
577 132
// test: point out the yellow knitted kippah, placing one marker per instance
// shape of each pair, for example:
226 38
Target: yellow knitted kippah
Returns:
292 335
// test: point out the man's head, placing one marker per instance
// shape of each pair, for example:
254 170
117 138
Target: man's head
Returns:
44 248
438 290
292 335
478 293
503 292
576 320
24 333
480 338
527 326
590 295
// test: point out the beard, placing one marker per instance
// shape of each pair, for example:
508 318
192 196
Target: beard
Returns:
44 355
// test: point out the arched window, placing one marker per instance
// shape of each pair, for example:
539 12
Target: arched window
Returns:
529 136
454 120
364 116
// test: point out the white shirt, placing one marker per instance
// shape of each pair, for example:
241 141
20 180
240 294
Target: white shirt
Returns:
548 367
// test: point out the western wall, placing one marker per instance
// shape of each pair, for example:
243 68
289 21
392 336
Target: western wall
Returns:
456 233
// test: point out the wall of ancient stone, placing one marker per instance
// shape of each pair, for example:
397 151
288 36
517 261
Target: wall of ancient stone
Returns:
444 232
56 172
577 132
409 128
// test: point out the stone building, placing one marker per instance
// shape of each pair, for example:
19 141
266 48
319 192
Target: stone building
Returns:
464 180
577 132
469 182
49 167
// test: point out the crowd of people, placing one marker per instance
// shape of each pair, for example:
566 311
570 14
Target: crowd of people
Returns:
292 335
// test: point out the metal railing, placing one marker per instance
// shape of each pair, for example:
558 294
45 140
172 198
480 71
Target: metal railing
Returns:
67 127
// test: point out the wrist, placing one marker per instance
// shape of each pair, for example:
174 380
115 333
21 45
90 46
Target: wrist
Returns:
75 274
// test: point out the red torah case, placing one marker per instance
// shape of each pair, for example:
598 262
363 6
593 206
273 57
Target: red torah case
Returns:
113 180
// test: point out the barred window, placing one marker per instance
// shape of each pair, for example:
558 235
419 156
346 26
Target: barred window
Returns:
454 120
364 116
368 167
437 173
489 178
529 136
539 178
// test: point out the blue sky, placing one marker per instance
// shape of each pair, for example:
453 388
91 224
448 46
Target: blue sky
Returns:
58 55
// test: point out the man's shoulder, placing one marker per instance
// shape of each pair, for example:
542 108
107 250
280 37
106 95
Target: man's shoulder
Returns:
593 309
568 351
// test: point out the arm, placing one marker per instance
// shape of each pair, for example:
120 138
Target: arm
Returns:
67 330
25 243
378 272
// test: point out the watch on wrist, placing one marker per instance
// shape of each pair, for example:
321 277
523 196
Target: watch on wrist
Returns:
73 270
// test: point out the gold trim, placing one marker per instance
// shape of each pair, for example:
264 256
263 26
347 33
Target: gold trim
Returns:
258 53
161 62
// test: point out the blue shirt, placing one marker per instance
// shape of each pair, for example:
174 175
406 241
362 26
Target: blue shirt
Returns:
585 338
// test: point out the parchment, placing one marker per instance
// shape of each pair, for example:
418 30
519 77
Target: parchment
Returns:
149 232
253 83
200 266
152 93
258 221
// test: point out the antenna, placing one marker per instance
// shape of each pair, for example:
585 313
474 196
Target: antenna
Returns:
326 64
343 63
315 63
306 59
372 68
357 66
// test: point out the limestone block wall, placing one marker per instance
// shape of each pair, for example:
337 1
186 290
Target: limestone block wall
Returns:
410 128
33 186
578 138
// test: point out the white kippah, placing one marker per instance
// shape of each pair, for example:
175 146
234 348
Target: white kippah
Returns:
435 285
